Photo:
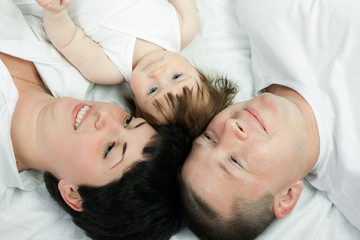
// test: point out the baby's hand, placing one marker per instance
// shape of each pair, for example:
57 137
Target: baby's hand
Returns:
54 5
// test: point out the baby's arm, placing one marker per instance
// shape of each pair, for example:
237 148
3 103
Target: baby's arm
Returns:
188 18
84 53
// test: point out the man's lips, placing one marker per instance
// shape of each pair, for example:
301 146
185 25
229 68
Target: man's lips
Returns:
257 116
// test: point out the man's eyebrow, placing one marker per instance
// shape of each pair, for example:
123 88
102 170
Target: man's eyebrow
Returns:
197 144
124 149
140 124
224 168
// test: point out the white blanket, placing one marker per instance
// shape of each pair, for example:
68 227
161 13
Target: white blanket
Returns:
221 47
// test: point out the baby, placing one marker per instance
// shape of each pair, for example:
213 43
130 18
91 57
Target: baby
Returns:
139 42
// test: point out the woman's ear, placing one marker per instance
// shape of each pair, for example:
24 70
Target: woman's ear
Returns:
285 201
70 195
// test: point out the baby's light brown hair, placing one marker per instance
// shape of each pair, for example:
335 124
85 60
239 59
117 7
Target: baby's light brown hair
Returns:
192 109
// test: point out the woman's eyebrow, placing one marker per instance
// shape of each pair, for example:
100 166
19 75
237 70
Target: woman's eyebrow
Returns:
140 124
226 170
123 155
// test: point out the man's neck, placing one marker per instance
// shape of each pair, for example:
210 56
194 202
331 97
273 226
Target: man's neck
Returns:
305 108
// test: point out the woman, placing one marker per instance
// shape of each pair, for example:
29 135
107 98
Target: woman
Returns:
92 147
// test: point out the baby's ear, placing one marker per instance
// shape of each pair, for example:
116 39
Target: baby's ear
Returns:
285 201
70 195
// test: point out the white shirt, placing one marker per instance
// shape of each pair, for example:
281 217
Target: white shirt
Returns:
313 47
10 179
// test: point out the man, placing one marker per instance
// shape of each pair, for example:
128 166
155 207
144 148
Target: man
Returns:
246 168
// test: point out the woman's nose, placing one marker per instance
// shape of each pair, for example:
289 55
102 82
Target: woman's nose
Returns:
106 119
157 73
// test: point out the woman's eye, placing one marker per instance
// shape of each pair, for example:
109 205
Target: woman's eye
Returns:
108 149
152 90
176 76
128 121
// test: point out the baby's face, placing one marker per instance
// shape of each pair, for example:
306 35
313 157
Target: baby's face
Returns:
159 73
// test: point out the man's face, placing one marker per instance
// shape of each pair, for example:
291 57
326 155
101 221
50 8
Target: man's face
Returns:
159 73
248 149
92 143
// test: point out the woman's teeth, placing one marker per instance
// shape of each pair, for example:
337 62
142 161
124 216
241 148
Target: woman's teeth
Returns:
80 115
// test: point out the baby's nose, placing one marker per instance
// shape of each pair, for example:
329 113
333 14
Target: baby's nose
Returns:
157 73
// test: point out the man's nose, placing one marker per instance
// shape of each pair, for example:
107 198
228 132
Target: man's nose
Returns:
233 128
157 73
106 119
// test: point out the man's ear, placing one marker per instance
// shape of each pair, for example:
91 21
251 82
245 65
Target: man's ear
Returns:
70 195
285 201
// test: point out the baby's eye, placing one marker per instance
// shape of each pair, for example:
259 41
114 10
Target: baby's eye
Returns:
128 121
152 90
108 149
176 76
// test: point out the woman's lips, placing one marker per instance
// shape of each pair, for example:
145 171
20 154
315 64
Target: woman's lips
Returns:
85 111
257 116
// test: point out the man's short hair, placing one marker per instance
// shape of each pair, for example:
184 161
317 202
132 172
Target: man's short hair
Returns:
248 218
192 109
144 203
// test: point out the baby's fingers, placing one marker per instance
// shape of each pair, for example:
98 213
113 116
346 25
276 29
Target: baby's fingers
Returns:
65 3
53 5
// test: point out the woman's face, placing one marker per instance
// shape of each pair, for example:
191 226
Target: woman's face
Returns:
90 143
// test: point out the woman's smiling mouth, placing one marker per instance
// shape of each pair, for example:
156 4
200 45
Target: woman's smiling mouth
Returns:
79 113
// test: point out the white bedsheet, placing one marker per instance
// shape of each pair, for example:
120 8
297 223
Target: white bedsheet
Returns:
221 47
